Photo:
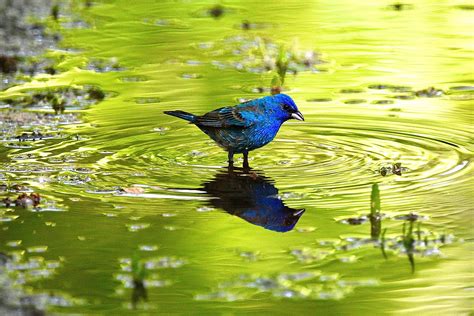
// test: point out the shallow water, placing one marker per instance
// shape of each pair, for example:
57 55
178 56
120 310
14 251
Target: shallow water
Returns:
130 180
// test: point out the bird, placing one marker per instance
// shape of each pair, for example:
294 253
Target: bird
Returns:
246 126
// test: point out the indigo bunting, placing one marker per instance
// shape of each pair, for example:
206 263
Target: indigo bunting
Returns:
246 126
252 197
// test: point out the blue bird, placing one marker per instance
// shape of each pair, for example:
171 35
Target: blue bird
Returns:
246 126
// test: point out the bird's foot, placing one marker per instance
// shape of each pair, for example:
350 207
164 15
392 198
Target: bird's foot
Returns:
246 165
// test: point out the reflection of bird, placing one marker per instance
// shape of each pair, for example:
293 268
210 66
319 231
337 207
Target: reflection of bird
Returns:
253 198
246 126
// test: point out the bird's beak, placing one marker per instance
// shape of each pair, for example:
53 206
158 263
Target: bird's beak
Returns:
297 116
299 212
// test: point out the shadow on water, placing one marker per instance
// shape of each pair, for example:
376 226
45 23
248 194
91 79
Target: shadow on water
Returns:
253 197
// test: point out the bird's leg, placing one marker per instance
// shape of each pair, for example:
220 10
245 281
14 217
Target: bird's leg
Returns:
230 158
246 161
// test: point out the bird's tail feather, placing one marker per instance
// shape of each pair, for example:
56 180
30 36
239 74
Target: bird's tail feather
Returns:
182 115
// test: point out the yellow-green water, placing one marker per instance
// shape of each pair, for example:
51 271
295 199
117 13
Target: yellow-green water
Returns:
214 262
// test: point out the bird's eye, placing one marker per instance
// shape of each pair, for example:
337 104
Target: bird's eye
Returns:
287 108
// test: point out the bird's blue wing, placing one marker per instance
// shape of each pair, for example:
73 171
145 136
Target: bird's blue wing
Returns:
227 117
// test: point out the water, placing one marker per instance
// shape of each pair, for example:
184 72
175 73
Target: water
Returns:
129 182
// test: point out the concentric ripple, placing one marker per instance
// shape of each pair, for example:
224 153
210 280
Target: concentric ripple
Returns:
333 158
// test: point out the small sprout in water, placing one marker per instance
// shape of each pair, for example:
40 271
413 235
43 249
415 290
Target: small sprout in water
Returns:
58 104
375 217
282 64
55 11
276 85
139 272
409 244
382 243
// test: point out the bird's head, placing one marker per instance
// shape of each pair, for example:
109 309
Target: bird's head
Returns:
286 108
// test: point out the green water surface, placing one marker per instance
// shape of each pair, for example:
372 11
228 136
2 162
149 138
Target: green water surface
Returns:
200 258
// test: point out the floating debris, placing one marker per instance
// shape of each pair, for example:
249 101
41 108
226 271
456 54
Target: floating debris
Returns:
148 247
168 214
37 249
191 76
255 54
59 98
137 227
467 7
74 179
13 243
351 90
164 263
462 88
205 209
23 188
355 101
303 285
23 200
104 65
403 97
310 255
23 41
219 296
393 88
319 100
396 169
412 217
132 190
430 92
306 229
249 256
134 79
171 23
382 102
247 25
354 220
400 6
147 100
